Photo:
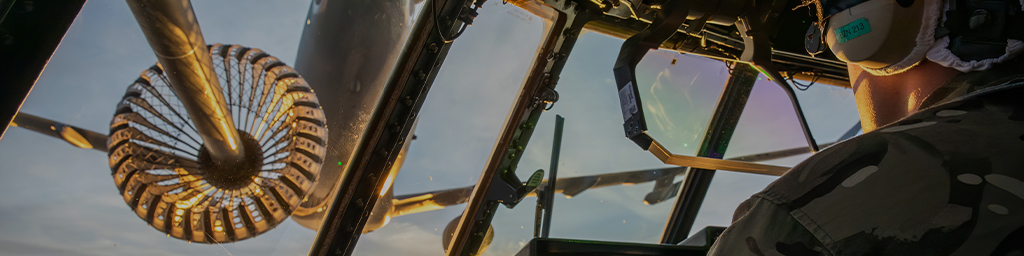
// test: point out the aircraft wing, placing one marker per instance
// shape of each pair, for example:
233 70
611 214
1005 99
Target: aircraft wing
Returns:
664 187
435 200
92 140
798 150
76 136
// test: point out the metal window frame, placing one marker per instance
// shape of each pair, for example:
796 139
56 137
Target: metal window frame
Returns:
391 122
491 189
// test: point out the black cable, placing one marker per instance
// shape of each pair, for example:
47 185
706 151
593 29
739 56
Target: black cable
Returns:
433 10
804 87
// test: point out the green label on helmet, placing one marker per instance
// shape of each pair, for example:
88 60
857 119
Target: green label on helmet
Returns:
856 28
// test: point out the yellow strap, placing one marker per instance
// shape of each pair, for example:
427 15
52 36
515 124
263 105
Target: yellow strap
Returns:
667 157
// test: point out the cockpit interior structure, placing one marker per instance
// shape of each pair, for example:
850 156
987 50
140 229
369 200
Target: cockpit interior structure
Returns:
403 127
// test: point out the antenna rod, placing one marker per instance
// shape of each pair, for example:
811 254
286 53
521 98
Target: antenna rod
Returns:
173 32
549 191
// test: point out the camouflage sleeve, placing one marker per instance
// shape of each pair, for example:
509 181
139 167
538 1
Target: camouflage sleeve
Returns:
762 227
944 181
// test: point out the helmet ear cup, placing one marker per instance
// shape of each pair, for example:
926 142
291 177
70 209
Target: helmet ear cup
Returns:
876 34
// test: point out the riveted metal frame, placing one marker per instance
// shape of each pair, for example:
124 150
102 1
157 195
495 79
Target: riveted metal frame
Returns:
520 124
390 124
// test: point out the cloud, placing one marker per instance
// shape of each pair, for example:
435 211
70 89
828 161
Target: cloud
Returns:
400 238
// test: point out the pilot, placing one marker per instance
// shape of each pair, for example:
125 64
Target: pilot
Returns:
940 168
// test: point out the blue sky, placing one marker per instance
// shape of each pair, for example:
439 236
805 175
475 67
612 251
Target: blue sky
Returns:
58 199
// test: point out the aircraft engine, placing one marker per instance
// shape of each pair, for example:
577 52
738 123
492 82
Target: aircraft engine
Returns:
449 232
165 174
381 214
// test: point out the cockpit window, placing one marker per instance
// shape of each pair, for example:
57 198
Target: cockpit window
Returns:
599 206
456 129
768 124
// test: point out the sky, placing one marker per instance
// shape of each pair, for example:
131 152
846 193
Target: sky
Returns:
58 199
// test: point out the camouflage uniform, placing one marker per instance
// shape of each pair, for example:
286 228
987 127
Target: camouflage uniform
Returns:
946 180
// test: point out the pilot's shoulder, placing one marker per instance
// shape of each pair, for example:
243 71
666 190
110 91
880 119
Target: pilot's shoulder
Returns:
983 129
